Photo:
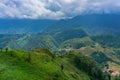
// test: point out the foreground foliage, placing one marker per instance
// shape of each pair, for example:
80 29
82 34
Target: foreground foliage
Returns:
41 64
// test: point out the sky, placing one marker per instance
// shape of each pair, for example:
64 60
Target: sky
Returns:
55 9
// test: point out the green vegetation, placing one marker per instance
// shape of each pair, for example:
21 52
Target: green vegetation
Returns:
88 65
100 57
43 65
70 33
37 41
104 49
17 66
108 40
77 43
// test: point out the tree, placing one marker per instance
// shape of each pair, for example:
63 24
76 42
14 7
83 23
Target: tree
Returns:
6 49
1 49
62 67
90 66
29 57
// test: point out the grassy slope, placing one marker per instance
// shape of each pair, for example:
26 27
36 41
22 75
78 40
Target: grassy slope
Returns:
41 67
71 71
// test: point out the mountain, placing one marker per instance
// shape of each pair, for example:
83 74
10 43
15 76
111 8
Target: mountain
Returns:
23 26
49 40
67 40
66 34
92 39
93 24
8 40
107 40
37 41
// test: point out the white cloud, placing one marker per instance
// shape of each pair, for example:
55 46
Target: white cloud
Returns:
55 9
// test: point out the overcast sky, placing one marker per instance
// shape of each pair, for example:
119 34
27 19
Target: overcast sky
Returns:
55 9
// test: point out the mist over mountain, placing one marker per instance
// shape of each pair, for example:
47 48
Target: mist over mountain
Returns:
93 24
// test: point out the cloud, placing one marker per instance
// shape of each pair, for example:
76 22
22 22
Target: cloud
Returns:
55 9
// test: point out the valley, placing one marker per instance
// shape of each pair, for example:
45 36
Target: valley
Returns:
81 46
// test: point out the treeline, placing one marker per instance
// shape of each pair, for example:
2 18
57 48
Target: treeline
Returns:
108 40
89 66
100 57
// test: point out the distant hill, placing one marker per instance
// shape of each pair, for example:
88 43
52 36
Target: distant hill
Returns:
50 40
93 24
66 34
96 36
23 26
9 40
107 40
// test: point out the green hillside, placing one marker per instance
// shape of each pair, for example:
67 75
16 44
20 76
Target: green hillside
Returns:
41 64
104 49
66 34
77 43
107 40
